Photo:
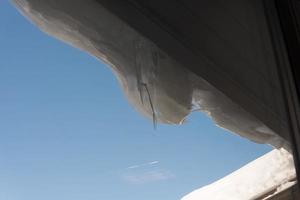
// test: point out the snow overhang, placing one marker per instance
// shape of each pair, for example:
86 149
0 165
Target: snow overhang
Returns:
162 88
242 94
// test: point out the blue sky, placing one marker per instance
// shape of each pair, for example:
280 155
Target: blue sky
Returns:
68 133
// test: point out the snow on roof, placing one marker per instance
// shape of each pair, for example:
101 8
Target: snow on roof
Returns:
269 174
157 85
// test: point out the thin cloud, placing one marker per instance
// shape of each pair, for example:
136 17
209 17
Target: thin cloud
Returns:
149 176
143 165
153 162
134 167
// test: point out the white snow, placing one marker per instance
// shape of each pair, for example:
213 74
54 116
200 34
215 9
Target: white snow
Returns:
163 90
155 84
273 171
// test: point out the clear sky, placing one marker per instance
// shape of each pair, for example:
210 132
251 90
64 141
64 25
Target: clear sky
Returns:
68 133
